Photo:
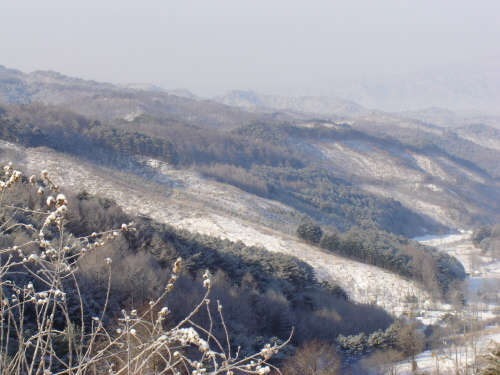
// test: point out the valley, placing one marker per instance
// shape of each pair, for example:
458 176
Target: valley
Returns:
187 201
241 173
482 308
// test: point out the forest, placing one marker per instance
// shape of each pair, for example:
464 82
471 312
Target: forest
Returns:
266 295
256 158
263 167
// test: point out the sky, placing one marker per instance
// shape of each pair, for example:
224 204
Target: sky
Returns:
212 46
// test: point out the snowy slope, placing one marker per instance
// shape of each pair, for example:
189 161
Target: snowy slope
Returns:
431 184
185 200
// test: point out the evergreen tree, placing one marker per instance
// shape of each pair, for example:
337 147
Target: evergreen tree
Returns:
310 231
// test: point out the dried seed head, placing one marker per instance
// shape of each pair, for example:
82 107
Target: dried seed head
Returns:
50 219
177 265
164 312
62 210
61 200
51 201
16 176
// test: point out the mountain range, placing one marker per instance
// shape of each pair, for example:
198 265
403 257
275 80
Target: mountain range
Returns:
302 207
444 173
466 86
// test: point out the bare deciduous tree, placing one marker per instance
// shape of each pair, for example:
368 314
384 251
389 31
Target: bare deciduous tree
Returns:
313 358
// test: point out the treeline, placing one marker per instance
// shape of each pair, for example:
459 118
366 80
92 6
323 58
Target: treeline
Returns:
236 176
467 153
128 142
487 238
264 294
201 146
255 158
171 140
333 201
436 270
448 144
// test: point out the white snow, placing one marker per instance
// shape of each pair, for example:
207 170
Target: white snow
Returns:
202 206
186 200
450 358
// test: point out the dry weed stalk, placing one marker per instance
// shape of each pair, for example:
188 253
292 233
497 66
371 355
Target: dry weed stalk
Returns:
40 335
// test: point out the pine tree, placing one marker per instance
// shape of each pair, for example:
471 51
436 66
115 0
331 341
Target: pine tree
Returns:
310 231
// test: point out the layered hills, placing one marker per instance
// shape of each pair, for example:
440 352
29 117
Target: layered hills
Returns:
227 183
470 85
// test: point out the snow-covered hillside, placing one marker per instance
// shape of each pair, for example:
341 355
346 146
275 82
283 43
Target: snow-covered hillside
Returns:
186 200
433 185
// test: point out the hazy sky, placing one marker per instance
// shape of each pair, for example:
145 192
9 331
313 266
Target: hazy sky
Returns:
211 46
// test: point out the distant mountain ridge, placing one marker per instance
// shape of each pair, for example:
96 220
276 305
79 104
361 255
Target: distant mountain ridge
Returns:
105 101
473 85
313 105
449 119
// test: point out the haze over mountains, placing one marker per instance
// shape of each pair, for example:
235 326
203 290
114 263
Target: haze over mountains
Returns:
471 85
330 170
460 158
443 95
237 176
